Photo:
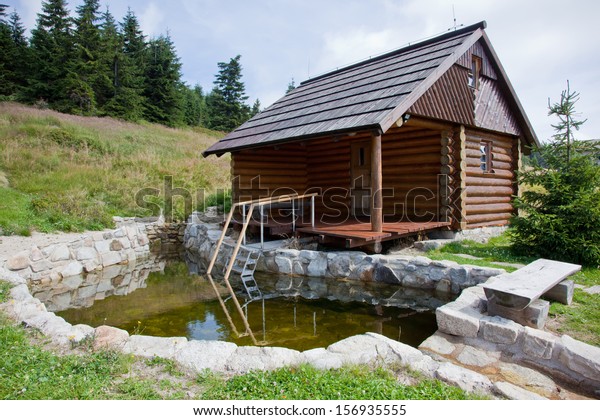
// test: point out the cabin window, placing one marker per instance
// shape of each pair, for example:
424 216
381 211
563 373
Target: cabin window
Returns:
474 72
361 156
485 147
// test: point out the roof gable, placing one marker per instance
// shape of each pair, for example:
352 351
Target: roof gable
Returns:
372 94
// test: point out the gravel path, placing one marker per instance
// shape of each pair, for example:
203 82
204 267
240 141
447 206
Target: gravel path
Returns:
10 245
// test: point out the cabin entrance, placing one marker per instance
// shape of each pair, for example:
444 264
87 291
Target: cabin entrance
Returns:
360 185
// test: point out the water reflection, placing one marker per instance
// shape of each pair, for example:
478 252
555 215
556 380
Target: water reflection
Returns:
162 299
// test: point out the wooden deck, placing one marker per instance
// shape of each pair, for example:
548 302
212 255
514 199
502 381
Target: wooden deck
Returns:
357 233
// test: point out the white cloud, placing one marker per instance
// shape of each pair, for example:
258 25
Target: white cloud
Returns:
151 19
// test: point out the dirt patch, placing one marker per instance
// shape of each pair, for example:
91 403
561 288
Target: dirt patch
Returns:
10 245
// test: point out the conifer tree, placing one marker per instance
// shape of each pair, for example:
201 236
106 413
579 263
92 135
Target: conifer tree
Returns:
194 106
52 50
163 87
227 102
128 100
88 50
109 61
560 216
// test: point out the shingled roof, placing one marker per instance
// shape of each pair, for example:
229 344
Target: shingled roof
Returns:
369 95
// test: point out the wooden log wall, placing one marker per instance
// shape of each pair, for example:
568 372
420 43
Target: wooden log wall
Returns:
411 168
328 167
259 173
489 195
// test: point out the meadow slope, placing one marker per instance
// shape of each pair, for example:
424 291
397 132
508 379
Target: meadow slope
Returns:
63 172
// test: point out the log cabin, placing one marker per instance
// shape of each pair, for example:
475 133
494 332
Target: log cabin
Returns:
423 138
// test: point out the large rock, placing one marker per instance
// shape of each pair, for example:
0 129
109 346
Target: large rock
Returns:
439 344
465 379
72 269
110 258
10 277
146 346
384 274
20 292
284 264
581 357
322 359
318 265
246 359
19 261
106 337
199 355
472 356
86 253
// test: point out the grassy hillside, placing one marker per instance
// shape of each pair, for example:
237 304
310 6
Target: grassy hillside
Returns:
70 173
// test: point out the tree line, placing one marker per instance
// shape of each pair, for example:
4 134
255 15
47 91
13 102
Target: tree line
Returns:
90 64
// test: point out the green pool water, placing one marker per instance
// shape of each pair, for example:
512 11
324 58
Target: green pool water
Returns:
299 313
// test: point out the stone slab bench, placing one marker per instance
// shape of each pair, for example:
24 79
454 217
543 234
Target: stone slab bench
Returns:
519 289
516 295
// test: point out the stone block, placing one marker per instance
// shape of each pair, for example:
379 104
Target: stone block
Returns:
465 379
36 254
74 268
86 253
472 356
110 258
41 265
102 246
146 346
116 245
538 344
321 359
421 261
438 343
384 274
284 264
562 292
500 330
60 252
534 315
318 265
106 337
513 392
199 355
581 357
245 359
18 261
462 323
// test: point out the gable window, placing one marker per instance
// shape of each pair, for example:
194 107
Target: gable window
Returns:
485 147
474 72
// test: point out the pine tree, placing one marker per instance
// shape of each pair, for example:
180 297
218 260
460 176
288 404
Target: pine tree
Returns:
53 73
255 109
226 103
6 46
560 210
163 87
88 50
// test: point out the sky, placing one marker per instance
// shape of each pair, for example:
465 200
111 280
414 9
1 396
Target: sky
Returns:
540 43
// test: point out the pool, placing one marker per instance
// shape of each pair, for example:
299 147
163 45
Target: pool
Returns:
161 298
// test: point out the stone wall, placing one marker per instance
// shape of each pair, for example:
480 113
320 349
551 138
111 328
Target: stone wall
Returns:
164 237
406 271
562 357
91 252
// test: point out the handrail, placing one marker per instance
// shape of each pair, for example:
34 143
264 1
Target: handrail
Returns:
236 249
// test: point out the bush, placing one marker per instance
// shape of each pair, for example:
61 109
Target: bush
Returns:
560 215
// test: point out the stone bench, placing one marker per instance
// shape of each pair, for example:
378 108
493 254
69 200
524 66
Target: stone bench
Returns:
516 295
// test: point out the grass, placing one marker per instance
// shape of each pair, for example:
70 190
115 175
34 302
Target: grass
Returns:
307 383
581 319
70 173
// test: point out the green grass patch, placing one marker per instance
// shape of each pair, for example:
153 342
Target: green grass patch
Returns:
307 383
580 320
4 291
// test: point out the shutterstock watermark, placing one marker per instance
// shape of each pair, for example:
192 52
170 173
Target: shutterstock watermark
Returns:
333 205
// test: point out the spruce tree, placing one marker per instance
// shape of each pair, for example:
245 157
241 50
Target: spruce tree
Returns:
560 208
128 100
109 62
6 46
163 88
226 103
88 50
194 106
53 76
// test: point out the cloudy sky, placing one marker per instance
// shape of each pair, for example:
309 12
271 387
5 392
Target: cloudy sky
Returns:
541 43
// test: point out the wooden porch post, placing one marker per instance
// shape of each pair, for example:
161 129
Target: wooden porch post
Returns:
376 183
